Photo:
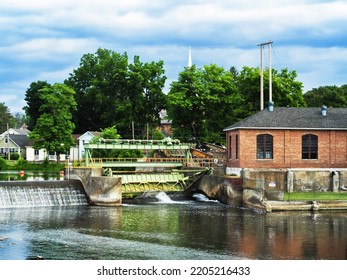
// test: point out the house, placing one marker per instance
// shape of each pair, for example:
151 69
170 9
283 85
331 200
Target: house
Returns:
84 139
18 131
11 144
279 140
41 154
13 141
16 141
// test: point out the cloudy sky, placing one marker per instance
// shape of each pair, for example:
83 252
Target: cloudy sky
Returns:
45 39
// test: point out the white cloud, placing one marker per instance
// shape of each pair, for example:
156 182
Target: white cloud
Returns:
44 40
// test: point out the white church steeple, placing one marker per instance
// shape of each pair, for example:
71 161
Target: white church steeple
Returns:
190 57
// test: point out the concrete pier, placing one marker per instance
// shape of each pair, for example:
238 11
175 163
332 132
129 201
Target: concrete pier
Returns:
101 190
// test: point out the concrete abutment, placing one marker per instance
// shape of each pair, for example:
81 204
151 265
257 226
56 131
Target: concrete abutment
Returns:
101 190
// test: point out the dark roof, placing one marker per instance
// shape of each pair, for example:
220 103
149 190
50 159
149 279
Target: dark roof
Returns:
20 140
295 118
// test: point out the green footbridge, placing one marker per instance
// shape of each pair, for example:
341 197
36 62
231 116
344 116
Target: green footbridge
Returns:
176 171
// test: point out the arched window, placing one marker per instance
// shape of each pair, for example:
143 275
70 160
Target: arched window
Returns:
309 146
264 146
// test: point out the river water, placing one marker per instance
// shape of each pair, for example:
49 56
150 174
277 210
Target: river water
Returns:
169 230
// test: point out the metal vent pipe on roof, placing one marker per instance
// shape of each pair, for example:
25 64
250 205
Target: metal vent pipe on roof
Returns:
271 106
324 110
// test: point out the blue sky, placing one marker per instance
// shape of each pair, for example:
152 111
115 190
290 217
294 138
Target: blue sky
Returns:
45 40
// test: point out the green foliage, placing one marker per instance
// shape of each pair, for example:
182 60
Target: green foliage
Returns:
3 164
111 91
5 117
53 129
309 196
110 133
202 102
330 96
286 91
34 102
158 135
14 156
21 163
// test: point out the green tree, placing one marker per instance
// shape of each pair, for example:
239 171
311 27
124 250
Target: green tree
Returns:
331 96
54 127
203 102
111 91
145 87
34 102
286 90
5 118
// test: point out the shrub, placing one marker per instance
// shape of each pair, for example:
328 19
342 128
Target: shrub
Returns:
14 156
3 164
21 162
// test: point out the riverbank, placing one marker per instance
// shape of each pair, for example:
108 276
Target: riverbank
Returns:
314 205
308 201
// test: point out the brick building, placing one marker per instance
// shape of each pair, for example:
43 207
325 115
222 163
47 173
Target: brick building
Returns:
281 138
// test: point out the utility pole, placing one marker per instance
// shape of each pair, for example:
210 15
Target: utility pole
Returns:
262 74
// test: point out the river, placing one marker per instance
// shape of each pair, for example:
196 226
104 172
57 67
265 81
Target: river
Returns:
197 229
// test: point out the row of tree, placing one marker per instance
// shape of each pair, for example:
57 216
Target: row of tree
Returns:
107 90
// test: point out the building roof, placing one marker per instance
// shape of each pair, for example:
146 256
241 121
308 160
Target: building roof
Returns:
90 133
20 140
295 118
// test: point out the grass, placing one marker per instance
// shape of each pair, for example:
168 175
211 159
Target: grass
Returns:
315 196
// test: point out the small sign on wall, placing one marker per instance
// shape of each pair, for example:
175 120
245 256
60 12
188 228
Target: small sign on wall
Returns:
272 184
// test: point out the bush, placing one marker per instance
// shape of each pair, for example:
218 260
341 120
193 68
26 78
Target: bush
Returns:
21 162
14 156
3 164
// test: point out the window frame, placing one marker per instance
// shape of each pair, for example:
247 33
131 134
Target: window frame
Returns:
309 147
265 146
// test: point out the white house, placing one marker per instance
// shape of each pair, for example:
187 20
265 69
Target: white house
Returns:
41 154
84 139
17 141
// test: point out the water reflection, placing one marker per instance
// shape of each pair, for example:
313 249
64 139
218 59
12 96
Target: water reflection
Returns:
185 230
30 176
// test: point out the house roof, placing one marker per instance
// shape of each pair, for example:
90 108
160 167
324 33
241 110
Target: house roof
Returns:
20 140
90 133
295 118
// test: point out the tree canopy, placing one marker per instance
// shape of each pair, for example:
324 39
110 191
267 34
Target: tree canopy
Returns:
331 96
111 91
202 102
5 117
34 102
286 90
54 127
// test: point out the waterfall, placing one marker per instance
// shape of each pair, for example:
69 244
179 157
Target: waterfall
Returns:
41 193
163 198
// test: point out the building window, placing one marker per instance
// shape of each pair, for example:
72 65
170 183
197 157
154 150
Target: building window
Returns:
264 146
309 146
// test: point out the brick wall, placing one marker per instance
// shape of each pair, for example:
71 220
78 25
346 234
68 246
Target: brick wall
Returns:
287 149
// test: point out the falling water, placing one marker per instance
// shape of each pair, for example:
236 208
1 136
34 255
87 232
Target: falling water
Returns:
48 193
164 198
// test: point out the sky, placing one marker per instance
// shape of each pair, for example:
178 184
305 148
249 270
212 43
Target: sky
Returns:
45 40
